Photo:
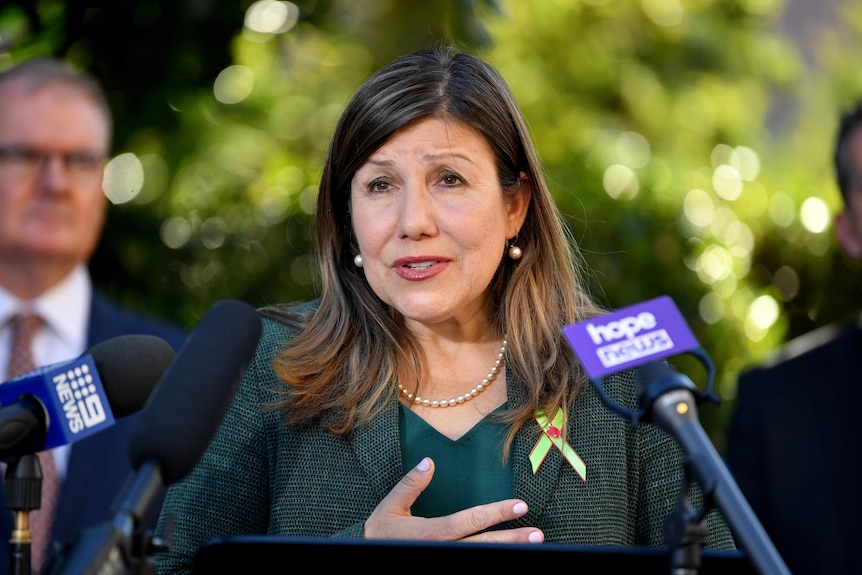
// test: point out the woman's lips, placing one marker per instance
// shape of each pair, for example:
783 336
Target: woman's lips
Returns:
420 268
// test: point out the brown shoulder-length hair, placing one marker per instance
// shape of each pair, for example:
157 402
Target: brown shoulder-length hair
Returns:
343 363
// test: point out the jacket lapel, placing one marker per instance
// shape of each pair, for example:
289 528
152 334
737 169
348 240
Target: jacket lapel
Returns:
535 489
378 449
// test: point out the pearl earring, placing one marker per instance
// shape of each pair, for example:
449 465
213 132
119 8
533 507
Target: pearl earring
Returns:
515 252
357 261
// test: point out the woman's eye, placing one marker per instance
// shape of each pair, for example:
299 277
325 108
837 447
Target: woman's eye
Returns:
450 179
379 186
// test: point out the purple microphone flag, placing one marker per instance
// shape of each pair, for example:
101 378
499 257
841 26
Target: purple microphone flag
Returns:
630 336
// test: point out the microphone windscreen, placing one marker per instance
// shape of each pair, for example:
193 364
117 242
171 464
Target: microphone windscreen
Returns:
130 366
653 370
188 405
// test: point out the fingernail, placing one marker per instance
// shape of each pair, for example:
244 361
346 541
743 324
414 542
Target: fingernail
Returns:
536 537
520 508
424 465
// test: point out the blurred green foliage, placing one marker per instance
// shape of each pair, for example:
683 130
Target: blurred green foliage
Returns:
686 141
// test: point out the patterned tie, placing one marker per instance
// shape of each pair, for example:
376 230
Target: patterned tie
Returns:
24 327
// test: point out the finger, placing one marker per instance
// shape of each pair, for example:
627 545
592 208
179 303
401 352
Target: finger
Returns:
397 502
407 491
519 535
479 518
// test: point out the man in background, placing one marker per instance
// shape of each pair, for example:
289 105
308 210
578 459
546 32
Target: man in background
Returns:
795 439
55 136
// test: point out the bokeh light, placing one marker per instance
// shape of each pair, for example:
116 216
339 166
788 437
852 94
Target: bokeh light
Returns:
814 215
762 314
621 182
782 209
749 163
176 232
715 263
727 182
664 12
124 178
786 283
271 17
233 84
633 150
711 308
699 208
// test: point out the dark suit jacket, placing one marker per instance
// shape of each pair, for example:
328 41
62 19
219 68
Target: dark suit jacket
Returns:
795 447
98 465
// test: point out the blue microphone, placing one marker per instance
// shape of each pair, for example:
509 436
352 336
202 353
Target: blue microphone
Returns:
65 402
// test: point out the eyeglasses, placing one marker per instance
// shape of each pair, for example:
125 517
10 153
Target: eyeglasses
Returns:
25 164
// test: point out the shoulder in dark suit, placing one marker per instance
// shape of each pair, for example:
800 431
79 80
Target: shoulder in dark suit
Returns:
793 446
98 465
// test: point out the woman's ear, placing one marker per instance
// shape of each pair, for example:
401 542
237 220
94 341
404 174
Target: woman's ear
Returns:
519 205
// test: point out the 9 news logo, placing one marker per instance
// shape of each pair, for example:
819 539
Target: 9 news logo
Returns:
80 398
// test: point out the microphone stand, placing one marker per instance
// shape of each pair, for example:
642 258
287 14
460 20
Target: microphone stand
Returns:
23 495
670 400
22 434
685 533
121 546
671 403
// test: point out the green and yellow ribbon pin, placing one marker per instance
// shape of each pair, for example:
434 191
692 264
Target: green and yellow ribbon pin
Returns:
552 436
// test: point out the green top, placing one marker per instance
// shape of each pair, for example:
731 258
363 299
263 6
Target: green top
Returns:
468 471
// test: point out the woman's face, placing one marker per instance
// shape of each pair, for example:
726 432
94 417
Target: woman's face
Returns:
432 222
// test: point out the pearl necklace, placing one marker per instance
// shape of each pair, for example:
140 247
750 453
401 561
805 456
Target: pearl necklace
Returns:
461 398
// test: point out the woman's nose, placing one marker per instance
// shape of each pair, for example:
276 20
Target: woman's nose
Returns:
417 213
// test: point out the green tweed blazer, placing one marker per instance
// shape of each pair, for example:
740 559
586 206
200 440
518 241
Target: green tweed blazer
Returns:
260 476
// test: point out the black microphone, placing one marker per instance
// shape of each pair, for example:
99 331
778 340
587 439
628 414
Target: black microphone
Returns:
170 436
182 416
65 402
640 337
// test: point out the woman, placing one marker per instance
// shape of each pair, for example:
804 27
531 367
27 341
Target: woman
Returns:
407 401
